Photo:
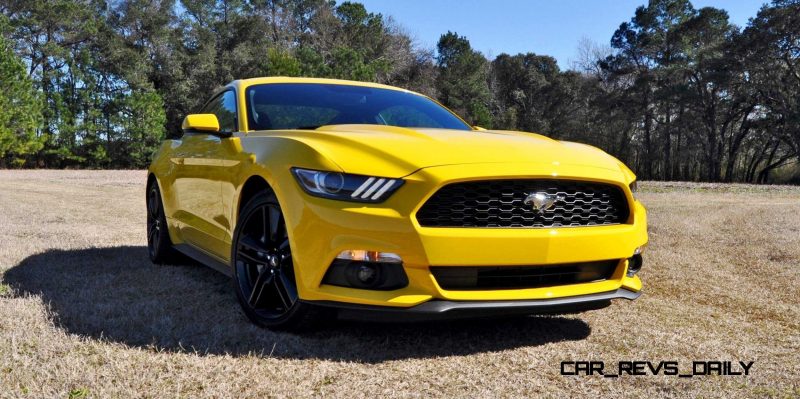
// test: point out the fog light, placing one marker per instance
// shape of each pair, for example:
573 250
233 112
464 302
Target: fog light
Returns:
635 262
363 269
367 274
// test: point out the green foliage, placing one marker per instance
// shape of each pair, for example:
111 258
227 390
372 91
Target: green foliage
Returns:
698 106
531 93
463 79
5 290
20 111
680 93
79 393
141 119
770 50
282 63
312 63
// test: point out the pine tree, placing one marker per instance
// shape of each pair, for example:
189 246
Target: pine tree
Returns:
20 111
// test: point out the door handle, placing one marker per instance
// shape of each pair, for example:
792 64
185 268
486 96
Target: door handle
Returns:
177 161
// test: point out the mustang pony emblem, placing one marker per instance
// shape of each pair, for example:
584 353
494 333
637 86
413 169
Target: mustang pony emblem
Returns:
542 201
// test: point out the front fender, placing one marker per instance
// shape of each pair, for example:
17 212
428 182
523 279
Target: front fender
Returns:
271 158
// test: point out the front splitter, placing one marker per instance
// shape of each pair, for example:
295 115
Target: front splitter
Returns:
444 309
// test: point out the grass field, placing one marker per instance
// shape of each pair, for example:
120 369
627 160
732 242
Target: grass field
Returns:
83 313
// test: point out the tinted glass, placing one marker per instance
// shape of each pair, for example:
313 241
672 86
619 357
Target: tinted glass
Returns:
308 106
224 107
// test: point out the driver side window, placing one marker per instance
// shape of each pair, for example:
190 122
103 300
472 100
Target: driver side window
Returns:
224 107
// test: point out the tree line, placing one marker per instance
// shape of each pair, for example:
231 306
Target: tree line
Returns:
678 93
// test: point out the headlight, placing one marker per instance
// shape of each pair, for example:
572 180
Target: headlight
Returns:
634 188
346 187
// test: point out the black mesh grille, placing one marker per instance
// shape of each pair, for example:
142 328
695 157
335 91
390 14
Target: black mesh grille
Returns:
511 277
500 203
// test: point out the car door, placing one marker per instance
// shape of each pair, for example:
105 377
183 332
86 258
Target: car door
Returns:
198 180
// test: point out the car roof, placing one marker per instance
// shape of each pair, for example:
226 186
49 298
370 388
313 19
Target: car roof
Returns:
244 83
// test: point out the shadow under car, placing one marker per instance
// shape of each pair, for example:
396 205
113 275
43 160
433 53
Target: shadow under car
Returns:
117 294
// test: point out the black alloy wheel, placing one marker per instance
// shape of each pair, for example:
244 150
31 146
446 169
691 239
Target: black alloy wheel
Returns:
159 245
264 275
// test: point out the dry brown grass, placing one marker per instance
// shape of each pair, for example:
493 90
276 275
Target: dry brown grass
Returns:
83 312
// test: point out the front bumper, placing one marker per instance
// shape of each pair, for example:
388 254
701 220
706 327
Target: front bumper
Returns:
321 229
443 309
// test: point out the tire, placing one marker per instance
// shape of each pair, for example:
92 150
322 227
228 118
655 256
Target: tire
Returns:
263 271
159 245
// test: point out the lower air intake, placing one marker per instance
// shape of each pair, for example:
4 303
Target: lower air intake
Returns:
515 277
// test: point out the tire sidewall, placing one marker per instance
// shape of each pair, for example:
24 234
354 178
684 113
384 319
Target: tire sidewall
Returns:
160 250
287 319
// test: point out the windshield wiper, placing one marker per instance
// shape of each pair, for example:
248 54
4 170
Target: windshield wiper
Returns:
311 127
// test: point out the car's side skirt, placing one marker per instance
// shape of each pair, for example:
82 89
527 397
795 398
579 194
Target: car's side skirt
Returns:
205 258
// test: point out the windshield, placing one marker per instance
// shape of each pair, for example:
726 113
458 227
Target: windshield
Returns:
309 106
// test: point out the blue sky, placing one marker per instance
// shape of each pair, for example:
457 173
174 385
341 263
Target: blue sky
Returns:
551 27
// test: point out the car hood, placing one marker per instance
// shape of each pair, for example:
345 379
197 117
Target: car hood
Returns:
396 152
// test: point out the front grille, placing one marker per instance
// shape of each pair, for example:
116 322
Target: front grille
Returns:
511 277
500 203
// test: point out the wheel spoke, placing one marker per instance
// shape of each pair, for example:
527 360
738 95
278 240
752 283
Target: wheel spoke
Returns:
152 233
250 259
285 290
264 232
153 204
264 262
274 223
252 244
260 286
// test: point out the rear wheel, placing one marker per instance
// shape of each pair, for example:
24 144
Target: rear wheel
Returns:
264 277
159 245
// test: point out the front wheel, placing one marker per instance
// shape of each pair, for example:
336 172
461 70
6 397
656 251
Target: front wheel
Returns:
159 245
264 277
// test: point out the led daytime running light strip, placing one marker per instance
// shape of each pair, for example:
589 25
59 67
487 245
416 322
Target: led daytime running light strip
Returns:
370 186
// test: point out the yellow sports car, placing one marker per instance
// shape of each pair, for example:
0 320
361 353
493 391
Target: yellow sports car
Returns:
324 196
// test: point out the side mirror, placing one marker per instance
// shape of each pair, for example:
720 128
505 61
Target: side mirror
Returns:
206 123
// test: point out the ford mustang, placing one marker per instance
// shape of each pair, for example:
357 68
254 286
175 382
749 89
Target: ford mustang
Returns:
321 197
